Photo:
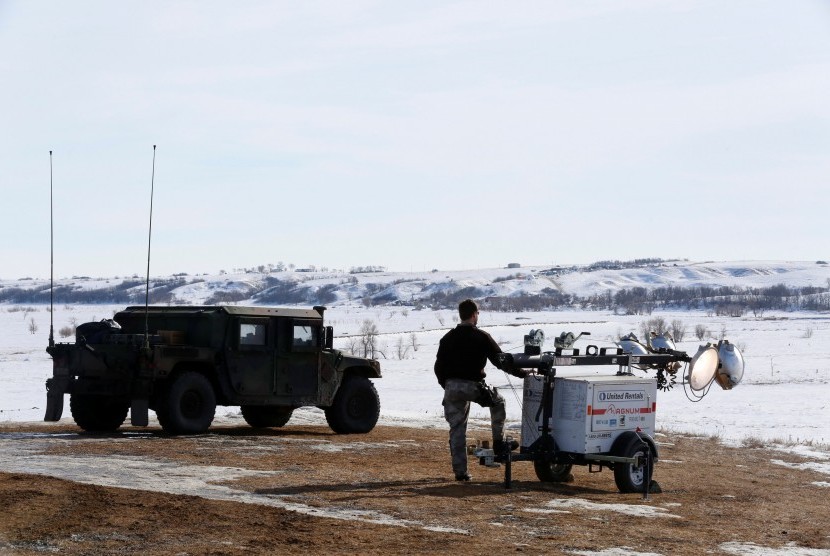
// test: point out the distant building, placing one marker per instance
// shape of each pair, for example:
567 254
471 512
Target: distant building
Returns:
514 265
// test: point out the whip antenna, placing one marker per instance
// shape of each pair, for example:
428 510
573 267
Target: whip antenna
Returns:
149 240
51 261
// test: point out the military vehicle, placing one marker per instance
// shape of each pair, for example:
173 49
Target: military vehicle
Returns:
181 362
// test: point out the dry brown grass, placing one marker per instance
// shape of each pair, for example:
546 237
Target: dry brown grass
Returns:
719 494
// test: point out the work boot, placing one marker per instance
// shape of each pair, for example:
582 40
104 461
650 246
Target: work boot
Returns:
462 476
502 447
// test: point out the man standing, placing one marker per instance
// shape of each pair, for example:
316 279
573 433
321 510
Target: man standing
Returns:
459 366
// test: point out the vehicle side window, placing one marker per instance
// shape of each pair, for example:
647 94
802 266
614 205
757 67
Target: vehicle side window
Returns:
251 334
305 336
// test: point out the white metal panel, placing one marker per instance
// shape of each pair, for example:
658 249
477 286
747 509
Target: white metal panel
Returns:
590 412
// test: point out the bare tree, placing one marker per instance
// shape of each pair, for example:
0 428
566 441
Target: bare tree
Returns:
658 325
757 310
354 345
700 331
368 339
402 349
678 330
32 325
413 341
440 318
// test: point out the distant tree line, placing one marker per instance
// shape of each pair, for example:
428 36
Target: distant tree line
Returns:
126 292
724 300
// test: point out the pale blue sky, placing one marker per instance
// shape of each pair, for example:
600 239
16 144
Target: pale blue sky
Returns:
413 135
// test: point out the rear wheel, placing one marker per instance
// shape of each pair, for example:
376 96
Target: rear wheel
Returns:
629 476
262 416
187 405
356 407
98 413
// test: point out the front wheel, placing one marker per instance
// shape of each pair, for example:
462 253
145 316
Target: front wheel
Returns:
187 405
356 407
631 477
549 472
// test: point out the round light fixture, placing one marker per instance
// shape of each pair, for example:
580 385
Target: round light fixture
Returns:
731 369
703 367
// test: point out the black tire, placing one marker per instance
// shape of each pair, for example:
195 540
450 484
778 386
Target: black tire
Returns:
98 413
630 477
356 407
549 472
187 405
263 416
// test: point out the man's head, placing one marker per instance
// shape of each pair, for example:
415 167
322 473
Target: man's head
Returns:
468 311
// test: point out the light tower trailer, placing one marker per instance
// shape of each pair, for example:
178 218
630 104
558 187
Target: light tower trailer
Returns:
595 421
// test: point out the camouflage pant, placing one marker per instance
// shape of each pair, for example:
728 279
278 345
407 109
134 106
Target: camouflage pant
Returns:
457 397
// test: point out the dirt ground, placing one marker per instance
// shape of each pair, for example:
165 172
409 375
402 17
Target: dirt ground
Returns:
391 492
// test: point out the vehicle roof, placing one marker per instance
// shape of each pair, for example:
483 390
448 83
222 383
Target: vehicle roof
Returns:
229 309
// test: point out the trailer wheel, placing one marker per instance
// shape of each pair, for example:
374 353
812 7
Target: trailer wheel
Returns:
356 407
628 476
263 416
187 405
549 472
98 413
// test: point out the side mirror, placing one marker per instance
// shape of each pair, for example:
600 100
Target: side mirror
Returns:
328 341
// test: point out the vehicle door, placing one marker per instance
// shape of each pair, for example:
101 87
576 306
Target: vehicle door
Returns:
251 361
299 357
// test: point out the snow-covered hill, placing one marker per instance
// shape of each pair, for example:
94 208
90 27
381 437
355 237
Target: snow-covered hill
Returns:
335 288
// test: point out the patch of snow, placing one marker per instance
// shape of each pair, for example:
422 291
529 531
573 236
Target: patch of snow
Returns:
804 451
172 478
351 446
563 504
821 483
823 467
752 549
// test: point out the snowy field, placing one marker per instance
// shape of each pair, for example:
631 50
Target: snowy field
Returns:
781 401
783 397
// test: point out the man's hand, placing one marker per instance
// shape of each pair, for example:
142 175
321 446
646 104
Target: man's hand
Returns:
521 373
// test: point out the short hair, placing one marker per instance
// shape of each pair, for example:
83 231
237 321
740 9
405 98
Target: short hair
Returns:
467 308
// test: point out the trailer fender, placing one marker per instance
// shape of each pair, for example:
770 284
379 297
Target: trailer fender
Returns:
622 441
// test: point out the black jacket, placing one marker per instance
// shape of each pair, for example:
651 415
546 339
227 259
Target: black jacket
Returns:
463 352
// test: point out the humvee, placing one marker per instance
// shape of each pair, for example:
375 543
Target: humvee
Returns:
182 361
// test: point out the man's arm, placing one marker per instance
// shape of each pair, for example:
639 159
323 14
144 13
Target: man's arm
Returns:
492 354
439 367
493 350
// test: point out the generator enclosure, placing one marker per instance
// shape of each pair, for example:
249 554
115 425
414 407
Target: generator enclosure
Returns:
589 412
